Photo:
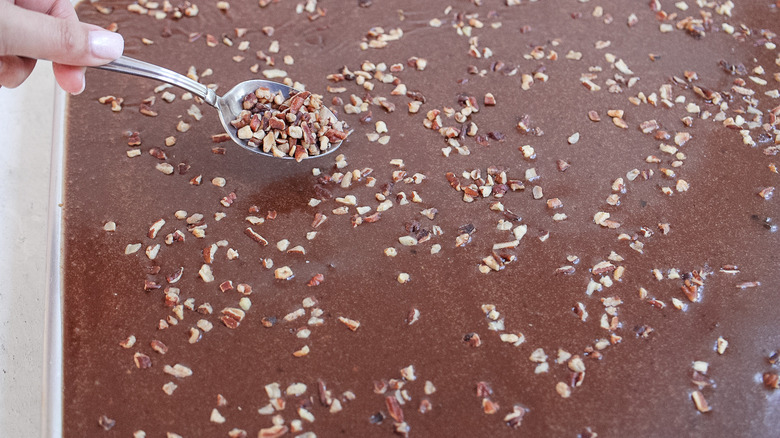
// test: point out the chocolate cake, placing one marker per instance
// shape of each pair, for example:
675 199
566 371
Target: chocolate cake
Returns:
550 218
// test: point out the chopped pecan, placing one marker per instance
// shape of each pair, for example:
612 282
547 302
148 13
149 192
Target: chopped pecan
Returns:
394 408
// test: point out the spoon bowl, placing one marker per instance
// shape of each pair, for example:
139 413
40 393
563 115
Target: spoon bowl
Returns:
229 106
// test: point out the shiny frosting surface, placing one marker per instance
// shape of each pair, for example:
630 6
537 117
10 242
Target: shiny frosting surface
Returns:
551 218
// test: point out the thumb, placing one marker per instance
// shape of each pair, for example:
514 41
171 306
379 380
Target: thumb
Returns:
35 35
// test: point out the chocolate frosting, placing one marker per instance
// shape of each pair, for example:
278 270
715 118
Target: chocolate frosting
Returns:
695 254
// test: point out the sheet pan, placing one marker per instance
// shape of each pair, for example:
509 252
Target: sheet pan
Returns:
51 415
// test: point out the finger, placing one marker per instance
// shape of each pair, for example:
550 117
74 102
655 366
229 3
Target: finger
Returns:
61 9
70 78
66 41
56 8
14 70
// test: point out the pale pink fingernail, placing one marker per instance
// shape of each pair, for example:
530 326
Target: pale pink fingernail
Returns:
106 45
83 85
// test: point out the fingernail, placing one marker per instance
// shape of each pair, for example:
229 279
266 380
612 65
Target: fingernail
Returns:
105 44
83 85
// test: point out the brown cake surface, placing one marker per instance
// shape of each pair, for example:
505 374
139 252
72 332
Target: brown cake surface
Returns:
483 290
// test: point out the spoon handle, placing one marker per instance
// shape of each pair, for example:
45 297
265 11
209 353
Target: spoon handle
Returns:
135 67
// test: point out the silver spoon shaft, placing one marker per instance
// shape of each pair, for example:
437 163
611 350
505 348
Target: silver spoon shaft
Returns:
135 67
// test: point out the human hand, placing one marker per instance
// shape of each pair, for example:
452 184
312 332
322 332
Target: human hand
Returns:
50 29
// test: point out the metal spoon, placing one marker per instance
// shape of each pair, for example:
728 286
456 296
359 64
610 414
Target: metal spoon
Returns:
228 106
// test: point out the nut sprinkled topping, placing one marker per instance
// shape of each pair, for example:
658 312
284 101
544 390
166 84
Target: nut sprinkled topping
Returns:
700 402
465 144
771 380
350 323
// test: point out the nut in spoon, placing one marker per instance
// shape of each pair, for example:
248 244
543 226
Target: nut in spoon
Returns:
264 117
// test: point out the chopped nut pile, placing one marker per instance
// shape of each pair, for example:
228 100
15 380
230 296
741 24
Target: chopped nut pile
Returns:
297 126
